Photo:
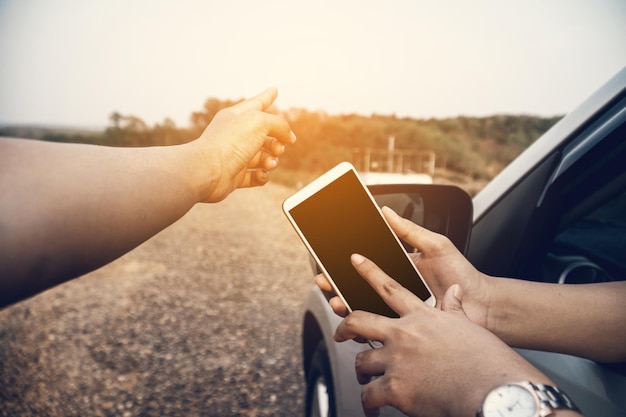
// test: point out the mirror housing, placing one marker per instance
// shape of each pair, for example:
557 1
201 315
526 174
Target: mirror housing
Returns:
444 209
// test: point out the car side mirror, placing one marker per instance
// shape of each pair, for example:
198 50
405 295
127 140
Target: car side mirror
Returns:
445 209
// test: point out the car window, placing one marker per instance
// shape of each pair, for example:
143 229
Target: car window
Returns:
591 248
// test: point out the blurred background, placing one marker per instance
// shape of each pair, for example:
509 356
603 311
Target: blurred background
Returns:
72 62
205 318
474 82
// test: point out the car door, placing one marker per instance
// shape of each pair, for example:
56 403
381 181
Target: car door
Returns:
567 220
577 236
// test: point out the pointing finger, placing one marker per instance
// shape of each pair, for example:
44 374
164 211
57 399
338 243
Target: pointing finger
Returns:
401 300
259 102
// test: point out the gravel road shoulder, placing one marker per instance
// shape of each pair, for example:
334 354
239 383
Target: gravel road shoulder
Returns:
202 320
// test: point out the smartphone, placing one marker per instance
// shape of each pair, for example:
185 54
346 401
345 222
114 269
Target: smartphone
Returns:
336 216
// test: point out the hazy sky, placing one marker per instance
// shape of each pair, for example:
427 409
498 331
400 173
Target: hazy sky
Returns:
74 62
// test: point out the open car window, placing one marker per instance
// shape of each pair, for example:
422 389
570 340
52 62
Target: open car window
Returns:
591 248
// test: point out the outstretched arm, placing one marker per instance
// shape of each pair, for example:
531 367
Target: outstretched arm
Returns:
66 209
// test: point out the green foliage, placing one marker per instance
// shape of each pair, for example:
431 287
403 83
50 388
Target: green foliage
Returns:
472 147
475 147
132 131
201 119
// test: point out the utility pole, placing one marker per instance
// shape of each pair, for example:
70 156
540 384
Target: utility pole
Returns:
391 144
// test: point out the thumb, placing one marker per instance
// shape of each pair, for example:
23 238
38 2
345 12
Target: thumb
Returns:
453 299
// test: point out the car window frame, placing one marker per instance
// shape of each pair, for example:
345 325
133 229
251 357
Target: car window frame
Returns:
577 186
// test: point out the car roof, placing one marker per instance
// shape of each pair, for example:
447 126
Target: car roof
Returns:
547 143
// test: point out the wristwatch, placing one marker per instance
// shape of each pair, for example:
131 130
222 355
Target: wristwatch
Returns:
524 399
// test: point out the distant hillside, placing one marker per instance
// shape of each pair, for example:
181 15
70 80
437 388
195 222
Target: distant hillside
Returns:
467 149
51 133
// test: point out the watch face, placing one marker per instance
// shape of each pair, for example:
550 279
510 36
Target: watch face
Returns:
510 401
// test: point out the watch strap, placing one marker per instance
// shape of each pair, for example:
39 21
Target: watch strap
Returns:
549 398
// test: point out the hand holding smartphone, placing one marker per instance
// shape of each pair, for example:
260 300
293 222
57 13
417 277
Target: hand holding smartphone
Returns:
336 216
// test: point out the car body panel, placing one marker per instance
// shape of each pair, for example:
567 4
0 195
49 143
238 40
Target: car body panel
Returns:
597 390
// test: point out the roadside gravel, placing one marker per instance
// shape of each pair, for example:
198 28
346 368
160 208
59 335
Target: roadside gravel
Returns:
202 320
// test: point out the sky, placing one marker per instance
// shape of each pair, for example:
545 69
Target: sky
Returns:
74 62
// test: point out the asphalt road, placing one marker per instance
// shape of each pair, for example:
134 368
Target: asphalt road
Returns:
202 320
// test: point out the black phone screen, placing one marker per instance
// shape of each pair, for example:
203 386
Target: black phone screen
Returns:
340 220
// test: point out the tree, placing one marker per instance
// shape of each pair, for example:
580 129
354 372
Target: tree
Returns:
127 131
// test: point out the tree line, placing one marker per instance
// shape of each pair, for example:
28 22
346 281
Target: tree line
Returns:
474 147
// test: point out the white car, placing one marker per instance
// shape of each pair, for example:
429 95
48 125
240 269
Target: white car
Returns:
557 213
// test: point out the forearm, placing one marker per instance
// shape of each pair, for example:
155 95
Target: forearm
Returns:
66 209
583 320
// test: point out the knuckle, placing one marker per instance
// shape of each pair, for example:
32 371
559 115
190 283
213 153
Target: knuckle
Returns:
440 242
406 229
390 287
366 397
351 321
229 111
403 336
257 102
393 387
359 361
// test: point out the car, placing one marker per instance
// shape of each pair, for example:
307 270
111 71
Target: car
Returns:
557 213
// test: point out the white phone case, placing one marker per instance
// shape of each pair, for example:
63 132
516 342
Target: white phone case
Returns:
304 196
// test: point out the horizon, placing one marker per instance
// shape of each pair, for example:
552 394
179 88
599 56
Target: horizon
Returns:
101 128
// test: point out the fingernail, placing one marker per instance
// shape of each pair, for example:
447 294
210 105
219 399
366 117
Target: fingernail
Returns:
390 211
273 163
357 259
293 137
